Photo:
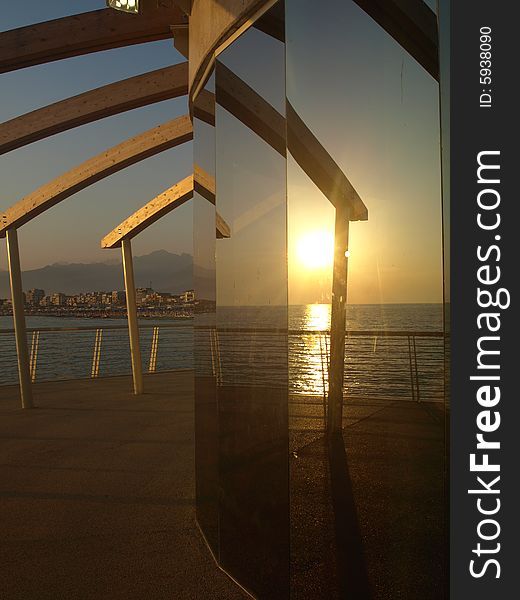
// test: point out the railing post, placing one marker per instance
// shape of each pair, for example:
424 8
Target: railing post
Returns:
33 361
131 307
324 361
411 367
96 356
416 371
216 365
152 366
338 321
20 331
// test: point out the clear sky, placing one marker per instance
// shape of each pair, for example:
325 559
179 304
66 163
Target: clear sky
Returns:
375 110
370 104
71 231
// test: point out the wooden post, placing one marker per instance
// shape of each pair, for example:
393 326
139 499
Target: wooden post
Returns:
338 322
20 332
131 307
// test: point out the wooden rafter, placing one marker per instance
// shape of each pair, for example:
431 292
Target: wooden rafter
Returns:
105 101
169 200
172 198
256 113
85 33
412 24
129 152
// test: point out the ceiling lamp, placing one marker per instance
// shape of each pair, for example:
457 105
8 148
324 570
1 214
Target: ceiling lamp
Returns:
130 6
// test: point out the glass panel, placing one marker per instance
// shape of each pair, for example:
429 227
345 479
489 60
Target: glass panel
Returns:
204 228
444 54
252 317
376 490
444 64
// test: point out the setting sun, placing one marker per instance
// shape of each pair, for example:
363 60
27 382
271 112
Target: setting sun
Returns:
316 249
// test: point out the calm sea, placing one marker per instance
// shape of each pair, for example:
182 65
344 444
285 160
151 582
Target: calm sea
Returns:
377 363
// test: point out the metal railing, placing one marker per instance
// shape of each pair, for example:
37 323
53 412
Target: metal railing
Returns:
378 363
383 363
81 352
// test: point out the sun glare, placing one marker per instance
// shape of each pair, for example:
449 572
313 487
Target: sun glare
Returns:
316 249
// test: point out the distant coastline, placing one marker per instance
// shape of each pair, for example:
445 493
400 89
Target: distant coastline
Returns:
144 313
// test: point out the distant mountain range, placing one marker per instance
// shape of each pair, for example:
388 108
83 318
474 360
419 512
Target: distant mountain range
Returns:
165 271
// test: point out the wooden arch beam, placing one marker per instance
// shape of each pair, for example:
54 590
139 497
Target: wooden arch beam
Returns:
412 24
105 101
85 33
129 152
169 200
256 113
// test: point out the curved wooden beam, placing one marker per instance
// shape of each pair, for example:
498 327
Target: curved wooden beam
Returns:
172 198
273 22
223 229
254 112
322 169
244 103
410 22
112 99
204 107
250 108
211 24
87 32
127 153
204 183
169 200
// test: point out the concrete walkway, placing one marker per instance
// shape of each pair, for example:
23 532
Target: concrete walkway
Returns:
97 494
97 497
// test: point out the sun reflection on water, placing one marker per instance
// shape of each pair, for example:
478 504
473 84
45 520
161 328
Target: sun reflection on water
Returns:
317 317
311 355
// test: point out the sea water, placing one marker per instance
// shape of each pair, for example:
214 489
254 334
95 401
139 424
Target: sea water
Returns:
382 362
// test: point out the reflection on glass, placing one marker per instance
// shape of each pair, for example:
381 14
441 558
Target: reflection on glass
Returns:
365 513
204 231
251 320
374 109
444 60
444 57
317 317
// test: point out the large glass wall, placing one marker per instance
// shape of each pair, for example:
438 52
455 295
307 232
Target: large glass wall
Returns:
444 83
245 390
205 348
324 143
444 20
377 490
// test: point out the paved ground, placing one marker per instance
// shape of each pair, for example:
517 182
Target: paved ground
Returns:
97 494
97 498
368 511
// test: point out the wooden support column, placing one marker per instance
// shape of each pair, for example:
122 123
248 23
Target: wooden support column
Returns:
131 307
338 321
20 332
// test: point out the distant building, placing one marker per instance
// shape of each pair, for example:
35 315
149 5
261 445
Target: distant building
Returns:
118 297
34 296
164 297
188 296
92 298
141 294
58 299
